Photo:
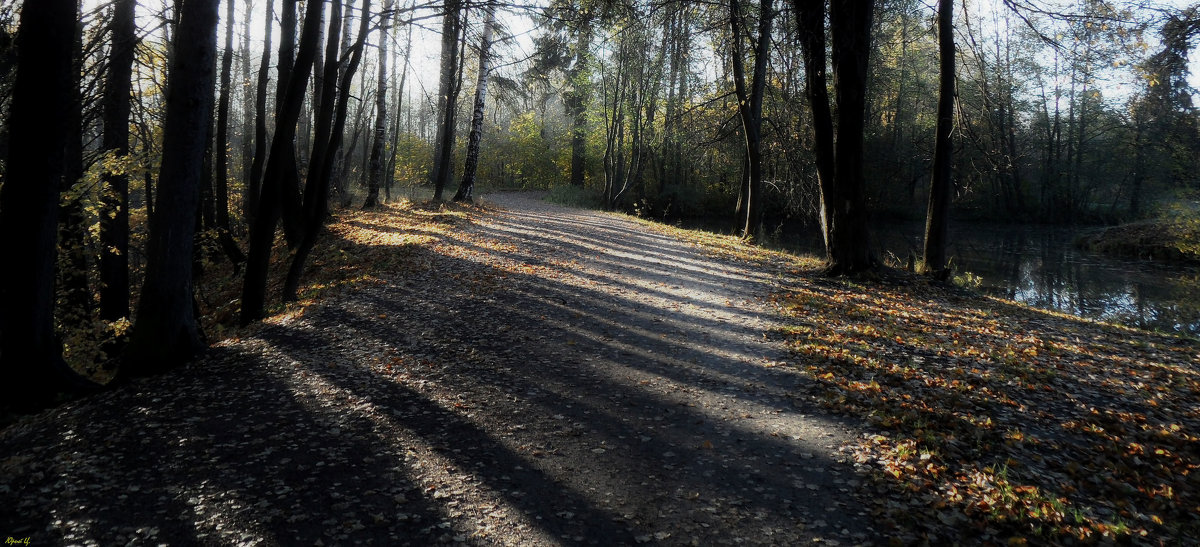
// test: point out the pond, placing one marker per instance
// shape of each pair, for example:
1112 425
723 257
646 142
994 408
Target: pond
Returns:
1040 266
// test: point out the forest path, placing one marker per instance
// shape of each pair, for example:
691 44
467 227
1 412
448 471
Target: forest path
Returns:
547 376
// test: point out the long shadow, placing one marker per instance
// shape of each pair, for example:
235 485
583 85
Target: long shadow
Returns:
634 246
300 433
539 496
561 386
221 452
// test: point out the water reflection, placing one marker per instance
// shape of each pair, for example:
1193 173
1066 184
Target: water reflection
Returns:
1041 267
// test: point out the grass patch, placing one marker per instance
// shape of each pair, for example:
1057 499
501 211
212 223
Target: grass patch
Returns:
575 196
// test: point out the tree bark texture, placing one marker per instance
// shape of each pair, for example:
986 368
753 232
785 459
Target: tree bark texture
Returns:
467 186
941 185
30 356
379 135
254 180
165 332
443 146
114 224
281 167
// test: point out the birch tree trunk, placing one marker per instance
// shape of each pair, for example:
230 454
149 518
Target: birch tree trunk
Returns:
376 163
467 186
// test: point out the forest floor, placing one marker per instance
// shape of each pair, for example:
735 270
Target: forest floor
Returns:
518 373
524 373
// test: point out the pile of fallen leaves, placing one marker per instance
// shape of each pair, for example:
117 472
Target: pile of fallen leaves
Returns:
998 422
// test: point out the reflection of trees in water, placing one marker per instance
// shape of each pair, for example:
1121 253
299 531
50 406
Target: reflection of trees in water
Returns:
1042 268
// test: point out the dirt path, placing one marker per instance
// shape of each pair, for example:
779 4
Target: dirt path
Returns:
551 376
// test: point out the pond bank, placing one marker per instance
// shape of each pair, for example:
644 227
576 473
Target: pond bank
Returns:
1040 266
1161 240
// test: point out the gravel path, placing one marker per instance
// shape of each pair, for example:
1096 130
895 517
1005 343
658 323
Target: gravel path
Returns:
547 376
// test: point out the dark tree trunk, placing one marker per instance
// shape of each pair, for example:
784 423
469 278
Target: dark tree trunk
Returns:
850 24
254 182
941 185
810 16
379 136
316 196
166 332
750 111
281 166
221 147
247 106
31 365
114 223
286 174
443 151
577 103
466 187
73 264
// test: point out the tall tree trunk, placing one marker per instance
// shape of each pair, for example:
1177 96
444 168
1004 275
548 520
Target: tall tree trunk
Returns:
671 45
247 142
578 100
221 147
750 111
31 364
114 224
941 185
467 186
73 262
376 163
402 67
443 147
166 332
850 24
281 167
286 173
810 16
341 180
329 136
254 180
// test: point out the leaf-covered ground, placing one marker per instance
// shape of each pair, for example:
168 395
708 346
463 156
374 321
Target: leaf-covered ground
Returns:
523 375
996 422
539 375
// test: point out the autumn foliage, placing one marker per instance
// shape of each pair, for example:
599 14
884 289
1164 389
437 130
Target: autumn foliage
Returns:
999 422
